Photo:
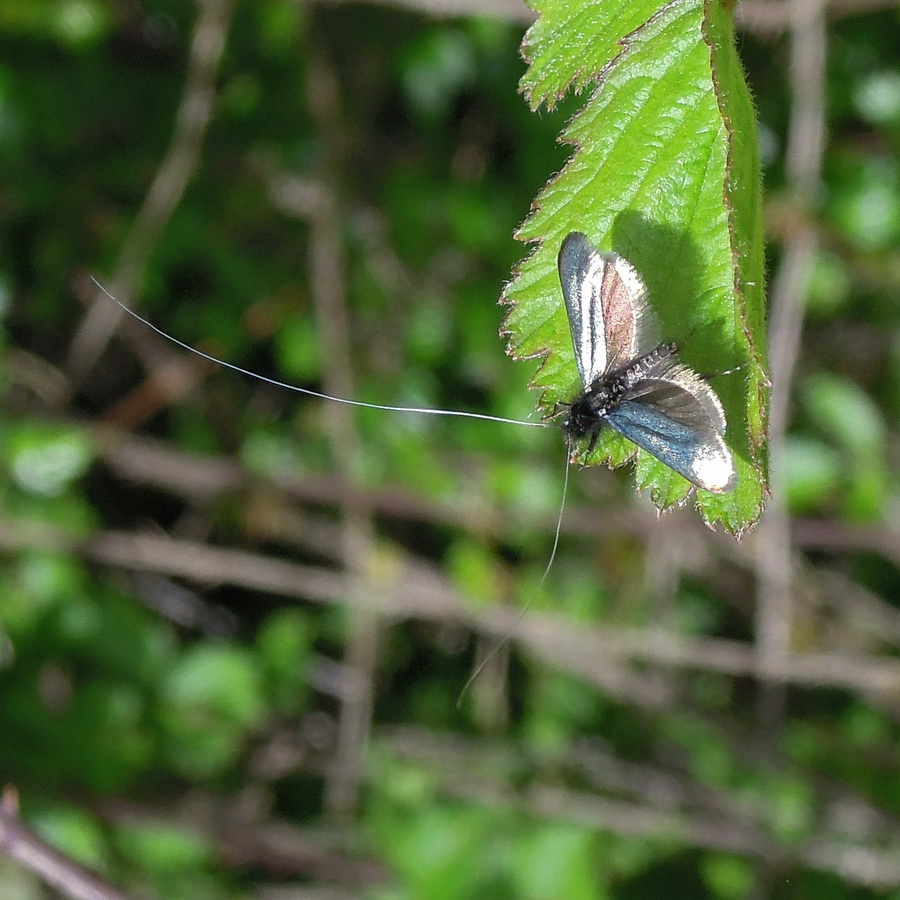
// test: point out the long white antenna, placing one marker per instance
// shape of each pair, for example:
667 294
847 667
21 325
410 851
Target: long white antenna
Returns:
502 642
309 392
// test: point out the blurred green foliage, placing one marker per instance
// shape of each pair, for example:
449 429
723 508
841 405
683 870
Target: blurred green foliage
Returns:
178 734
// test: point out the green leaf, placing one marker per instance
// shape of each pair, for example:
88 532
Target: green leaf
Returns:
812 473
846 412
45 459
665 172
285 647
559 55
728 876
211 699
164 847
75 833
558 860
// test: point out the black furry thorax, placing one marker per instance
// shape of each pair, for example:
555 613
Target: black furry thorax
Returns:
585 414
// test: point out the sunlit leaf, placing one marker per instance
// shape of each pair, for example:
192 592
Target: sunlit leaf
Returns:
665 172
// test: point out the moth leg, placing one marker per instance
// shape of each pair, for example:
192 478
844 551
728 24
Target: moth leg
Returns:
560 408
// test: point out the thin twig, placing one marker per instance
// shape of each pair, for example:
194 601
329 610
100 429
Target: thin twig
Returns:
357 539
769 18
468 770
175 171
202 478
597 653
55 869
246 833
507 10
766 18
655 804
805 148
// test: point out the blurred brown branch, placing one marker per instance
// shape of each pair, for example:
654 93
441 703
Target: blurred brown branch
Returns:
771 17
775 552
55 869
654 803
174 173
764 17
357 530
603 654
508 10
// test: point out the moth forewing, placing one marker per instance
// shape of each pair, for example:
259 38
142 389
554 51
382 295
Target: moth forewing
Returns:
581 272
631 327
606 302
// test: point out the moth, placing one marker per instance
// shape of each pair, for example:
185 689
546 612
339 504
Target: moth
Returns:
632 382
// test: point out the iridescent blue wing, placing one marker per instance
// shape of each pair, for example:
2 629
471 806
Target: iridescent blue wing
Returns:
678 418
